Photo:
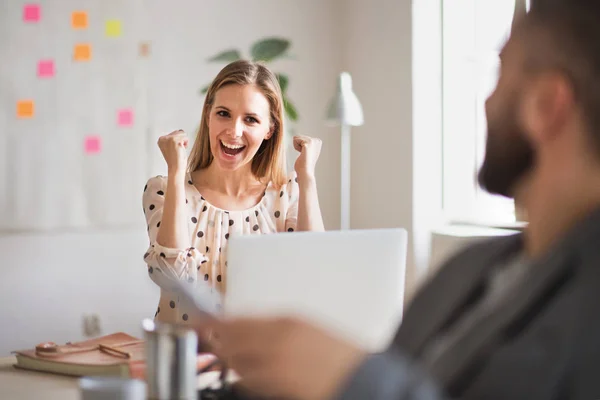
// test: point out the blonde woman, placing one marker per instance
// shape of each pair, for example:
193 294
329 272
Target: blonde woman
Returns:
234 183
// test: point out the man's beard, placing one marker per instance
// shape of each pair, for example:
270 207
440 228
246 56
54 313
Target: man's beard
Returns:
508 157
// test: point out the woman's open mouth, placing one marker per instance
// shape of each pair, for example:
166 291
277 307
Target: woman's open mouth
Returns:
232 149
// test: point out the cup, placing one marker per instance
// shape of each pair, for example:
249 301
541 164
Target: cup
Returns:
111 388
170 361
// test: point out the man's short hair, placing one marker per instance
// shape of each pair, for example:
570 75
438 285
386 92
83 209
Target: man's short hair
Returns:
564 35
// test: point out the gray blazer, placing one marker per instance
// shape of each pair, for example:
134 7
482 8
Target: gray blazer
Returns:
543 342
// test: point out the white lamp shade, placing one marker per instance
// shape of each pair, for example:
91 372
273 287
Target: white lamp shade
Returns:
345 109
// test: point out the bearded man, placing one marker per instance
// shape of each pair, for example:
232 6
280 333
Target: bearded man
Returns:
511 318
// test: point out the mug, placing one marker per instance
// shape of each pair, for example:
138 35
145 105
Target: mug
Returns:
111 388
171 353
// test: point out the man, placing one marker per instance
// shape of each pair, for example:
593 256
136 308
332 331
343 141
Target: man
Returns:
512 318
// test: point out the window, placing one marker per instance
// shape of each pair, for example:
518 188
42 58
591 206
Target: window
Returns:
473 33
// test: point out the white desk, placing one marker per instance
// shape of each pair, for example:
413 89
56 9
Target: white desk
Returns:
16 384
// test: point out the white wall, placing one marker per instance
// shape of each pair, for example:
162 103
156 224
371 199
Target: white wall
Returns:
393 51
49 281
378 54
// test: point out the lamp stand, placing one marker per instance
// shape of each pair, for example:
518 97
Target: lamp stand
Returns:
345 178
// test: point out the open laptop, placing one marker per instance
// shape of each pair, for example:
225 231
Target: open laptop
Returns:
348 282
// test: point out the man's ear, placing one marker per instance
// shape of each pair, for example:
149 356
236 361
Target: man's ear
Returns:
548 103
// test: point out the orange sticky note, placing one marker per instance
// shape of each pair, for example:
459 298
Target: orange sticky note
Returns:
25 108
79 20
82 52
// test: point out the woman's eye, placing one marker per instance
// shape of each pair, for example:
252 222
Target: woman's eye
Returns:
252 120
222 113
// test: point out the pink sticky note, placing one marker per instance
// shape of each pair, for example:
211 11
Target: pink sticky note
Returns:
125 117
93 144
31 13
46 69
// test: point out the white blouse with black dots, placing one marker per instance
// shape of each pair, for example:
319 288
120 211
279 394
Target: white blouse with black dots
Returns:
209 228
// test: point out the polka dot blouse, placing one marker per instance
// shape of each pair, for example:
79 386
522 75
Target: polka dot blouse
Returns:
210 229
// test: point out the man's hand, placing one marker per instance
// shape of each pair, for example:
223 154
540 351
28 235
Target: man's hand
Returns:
285 358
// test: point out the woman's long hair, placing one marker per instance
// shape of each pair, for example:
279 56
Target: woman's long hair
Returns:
268 163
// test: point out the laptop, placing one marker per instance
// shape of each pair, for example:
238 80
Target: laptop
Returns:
349 282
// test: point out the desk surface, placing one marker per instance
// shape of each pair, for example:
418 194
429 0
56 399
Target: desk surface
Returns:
19 384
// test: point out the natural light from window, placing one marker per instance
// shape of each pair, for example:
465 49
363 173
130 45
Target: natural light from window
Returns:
473 34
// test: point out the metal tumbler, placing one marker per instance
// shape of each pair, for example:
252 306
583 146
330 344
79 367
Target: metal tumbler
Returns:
171 352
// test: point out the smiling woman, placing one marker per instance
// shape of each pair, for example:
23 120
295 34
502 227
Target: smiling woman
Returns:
233 184
240 127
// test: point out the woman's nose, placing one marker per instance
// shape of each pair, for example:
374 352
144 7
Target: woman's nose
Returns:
237 129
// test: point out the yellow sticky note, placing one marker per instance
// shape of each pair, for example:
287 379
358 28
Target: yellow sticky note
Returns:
113 28
25 108
79 20
82 52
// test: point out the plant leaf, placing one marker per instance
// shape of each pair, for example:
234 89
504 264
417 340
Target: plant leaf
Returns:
290 110
289 56
226 56
204 90
283 81
269 49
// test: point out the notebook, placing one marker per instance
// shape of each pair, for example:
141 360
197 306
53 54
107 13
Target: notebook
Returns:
87 359
121 355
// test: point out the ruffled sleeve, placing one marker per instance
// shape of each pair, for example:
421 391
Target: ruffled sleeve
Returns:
164 263
293 192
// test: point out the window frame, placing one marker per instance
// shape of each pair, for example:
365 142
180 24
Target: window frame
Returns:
466 83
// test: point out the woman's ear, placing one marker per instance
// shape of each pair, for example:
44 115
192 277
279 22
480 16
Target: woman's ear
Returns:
270 133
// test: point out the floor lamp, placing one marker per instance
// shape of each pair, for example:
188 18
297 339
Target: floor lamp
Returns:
345 111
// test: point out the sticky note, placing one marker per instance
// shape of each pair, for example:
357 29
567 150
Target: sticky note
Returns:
125 117
82 52
79 20
45 69
25 108
92 144
144 49
31 13
113 28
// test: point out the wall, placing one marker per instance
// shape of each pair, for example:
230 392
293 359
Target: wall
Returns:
397 154
49 281
80 100
378 53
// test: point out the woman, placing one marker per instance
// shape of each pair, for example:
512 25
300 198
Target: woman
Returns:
233 184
